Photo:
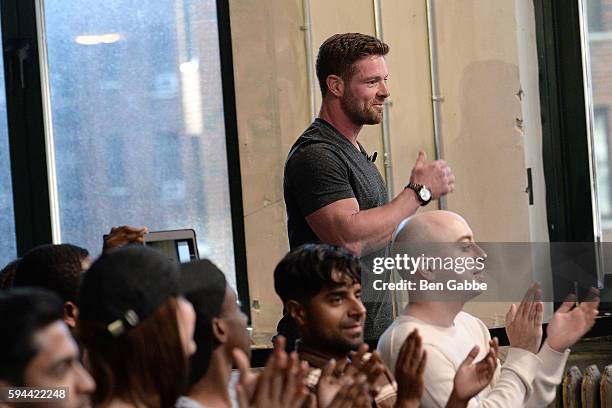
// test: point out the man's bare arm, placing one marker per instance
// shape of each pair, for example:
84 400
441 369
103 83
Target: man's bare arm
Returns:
342 223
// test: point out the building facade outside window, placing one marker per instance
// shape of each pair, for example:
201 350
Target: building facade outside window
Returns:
138 121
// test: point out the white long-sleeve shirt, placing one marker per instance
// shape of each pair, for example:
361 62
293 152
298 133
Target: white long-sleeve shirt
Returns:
525 379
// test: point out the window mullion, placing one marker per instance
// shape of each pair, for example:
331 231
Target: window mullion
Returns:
25 124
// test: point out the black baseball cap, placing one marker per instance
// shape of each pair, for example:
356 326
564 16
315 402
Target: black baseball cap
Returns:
126 285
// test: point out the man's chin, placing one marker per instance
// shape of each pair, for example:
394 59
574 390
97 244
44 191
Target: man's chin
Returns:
374 120
353 342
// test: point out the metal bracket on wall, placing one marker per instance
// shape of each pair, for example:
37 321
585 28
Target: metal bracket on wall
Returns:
529 189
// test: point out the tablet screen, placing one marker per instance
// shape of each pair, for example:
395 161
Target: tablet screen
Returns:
178 245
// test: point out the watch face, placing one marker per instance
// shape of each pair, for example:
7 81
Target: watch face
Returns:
425 194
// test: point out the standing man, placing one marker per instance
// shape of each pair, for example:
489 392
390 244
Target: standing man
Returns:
333 191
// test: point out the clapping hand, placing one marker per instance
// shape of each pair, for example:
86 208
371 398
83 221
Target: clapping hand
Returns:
409 370
281 383
352 394
340 386
524 325
471 378
571 322
370 366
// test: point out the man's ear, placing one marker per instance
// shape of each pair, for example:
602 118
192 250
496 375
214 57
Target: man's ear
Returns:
426 273
71 313
335 85
219 330
296 311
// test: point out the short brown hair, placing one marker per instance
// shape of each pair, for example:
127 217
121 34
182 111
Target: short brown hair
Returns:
145 366
338 54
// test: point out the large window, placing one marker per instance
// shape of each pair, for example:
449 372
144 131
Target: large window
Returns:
8 248
601 143
599 39
574 45
138 122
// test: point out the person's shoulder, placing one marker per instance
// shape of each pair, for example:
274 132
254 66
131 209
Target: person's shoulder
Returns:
307 153
470 320
401 327
307 147
473 325
314 140
395 335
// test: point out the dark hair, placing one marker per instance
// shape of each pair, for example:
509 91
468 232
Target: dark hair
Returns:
146 365
7 274
338 54
54 267
302 273
23 312
207 296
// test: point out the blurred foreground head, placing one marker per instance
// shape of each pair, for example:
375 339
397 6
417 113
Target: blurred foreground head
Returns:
57 268
136 328
37 347
220 324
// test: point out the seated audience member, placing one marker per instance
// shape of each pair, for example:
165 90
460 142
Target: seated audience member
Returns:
530 373
221 337
220 327
59 267
7 274
321 290
38 350
136 329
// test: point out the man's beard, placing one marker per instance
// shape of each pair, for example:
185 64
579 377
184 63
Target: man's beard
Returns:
340 345
333 343
359 116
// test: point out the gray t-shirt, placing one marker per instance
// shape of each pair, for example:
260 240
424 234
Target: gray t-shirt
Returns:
323 167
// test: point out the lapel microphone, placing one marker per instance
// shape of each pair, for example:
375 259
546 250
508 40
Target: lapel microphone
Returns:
372 158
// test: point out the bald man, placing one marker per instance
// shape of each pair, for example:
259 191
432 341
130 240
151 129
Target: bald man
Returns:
530 373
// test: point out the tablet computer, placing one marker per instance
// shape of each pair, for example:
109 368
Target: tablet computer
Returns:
178 245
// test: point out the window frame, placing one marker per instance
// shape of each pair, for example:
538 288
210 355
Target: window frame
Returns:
26 127
565 144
